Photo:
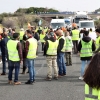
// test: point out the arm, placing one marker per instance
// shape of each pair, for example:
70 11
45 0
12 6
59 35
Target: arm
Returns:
79 46
19 48
26 48
61 44
46 47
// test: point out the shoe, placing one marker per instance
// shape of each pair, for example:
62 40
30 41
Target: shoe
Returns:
64 75
56 78
48 79
29 82
60 76
10 82
3 73
81 78
23 73
17 83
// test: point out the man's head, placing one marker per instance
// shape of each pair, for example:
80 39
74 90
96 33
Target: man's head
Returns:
97 31
59 32
86 33
16 36
29 33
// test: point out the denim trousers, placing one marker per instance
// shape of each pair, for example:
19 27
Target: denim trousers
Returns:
61 64
13 65
84 64
30 65
4 63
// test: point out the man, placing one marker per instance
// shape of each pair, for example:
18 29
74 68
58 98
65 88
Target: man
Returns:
50 50
60 53
75 38
31 48
3 45
21 34
97 40
15 57
85 48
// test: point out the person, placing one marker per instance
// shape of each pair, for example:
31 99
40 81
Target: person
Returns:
68 49
31 48
92 79
97 41
15 58
23 50
75 37
42 35
50 50
21 34
3 45
86 48
60 53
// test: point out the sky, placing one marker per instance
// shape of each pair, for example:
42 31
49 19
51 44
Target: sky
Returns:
61 5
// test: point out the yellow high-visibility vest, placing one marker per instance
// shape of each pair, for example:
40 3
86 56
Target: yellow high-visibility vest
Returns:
52 49
75 34
32 48
91 93
42 37
12 50
21 35
97 42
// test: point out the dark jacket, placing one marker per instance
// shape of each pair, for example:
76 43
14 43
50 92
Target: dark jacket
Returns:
3 45
86 39
46 46
36 36
60 46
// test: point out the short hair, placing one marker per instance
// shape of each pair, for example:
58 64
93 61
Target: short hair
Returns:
15 35
90 29
98 30
86 33
29 31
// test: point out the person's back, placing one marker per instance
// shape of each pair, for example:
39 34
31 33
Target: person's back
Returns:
92 79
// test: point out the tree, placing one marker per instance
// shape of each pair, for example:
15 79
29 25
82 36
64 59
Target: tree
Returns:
8 23
21 21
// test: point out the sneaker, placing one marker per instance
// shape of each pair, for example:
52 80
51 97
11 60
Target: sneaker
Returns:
3 73
29 82
48 79
56 78
17 83
10 82
81 78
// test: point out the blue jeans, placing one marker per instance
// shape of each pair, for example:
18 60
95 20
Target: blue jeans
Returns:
13 65
3 63
30 64
83 66
61 64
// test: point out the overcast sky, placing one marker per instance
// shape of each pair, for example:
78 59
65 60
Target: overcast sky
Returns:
62 5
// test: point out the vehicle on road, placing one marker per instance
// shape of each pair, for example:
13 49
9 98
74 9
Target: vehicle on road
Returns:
56 23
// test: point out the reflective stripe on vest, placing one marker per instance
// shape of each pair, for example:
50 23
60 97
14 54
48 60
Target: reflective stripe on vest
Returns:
68 45
86 50
97 42
75 34
42 37
21 35
32 48
12 50
90 96
52 49
64 46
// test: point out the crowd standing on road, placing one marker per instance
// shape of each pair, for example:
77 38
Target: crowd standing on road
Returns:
57 45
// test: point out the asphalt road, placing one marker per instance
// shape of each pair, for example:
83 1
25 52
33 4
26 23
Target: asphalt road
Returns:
68 87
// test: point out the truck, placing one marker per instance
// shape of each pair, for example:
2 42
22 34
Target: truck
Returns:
79 16
57 23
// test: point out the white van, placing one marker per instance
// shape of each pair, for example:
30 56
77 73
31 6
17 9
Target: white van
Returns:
56 23
88 24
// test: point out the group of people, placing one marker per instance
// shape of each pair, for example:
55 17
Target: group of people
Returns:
56 46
